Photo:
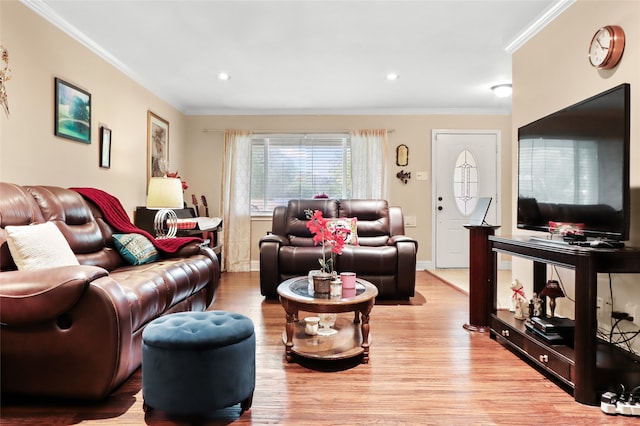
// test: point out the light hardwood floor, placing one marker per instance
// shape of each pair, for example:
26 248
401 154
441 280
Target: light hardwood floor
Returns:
459 278
424 369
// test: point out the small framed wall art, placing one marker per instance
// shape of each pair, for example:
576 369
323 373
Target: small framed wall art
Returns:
72 112
157 146
105 147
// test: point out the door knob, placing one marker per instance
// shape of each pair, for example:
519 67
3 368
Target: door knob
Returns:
440 208
439 198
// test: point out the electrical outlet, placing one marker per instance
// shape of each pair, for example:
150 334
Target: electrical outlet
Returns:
632 310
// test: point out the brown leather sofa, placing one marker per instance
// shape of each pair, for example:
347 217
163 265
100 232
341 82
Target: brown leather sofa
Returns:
384 255
76 331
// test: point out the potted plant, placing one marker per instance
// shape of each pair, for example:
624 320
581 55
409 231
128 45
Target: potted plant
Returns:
325 236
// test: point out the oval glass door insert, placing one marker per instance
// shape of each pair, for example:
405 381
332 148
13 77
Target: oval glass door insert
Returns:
465 182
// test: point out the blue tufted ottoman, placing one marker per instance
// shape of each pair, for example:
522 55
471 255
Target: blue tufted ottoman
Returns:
194 363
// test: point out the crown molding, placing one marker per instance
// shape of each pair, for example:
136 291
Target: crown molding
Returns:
42 9
551 13
376 111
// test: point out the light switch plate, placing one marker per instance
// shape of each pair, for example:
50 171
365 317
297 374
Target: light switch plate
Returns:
422 176
410 221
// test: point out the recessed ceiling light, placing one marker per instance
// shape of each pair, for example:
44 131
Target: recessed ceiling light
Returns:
392 76
223 76
502 90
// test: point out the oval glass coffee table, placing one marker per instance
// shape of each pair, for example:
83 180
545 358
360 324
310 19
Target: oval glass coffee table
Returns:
352 337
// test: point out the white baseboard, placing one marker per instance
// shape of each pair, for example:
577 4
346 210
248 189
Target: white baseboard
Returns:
421 265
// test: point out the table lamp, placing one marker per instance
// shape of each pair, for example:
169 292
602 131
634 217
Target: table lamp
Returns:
552 290
165 194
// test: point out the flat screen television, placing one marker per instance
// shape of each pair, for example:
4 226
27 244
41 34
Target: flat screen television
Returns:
573 167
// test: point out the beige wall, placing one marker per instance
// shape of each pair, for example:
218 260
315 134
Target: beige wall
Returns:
31 154
552 71
205 153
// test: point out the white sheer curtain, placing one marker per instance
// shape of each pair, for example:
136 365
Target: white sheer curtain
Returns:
369 164
235 201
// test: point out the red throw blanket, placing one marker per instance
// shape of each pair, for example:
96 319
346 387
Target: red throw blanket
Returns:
117 217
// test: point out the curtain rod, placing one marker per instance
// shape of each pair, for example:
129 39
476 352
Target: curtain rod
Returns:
287 131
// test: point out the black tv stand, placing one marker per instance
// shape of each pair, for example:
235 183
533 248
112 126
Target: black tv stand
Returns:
589 366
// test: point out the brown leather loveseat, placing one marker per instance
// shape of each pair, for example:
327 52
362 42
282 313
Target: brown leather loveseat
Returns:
76 331
384 255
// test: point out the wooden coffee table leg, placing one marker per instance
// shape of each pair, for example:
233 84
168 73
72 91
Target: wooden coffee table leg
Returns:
292 317
365 333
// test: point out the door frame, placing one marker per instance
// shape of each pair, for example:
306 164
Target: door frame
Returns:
434 167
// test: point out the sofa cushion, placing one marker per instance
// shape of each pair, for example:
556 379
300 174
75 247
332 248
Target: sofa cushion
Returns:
136 249
297 218
349 226
39 246
157 287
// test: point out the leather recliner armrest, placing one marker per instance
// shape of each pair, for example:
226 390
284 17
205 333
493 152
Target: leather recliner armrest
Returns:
186 250
29 297
401 239
273 238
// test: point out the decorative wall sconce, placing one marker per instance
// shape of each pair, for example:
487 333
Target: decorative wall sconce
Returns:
404 177
402 155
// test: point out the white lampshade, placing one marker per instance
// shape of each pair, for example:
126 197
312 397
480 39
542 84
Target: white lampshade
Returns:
165 193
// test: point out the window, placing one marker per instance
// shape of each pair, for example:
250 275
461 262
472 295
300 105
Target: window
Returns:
285 167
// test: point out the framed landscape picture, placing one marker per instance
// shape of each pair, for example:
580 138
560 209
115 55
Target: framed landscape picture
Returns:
105 147
157 146
72 112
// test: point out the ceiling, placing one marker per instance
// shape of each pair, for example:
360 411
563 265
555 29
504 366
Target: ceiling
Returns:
310 57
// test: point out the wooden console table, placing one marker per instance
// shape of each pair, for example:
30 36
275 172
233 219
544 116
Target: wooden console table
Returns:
591 365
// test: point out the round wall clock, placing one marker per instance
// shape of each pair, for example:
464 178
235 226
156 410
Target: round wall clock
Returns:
606 47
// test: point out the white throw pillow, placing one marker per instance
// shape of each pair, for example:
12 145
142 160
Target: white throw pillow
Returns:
39 246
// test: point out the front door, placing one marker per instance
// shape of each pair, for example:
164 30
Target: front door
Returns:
464 169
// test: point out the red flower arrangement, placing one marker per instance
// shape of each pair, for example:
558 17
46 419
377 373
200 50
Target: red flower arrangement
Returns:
177 176
325 235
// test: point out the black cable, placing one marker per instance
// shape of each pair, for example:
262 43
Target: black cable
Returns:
611 291
626 336
555 268
612 328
